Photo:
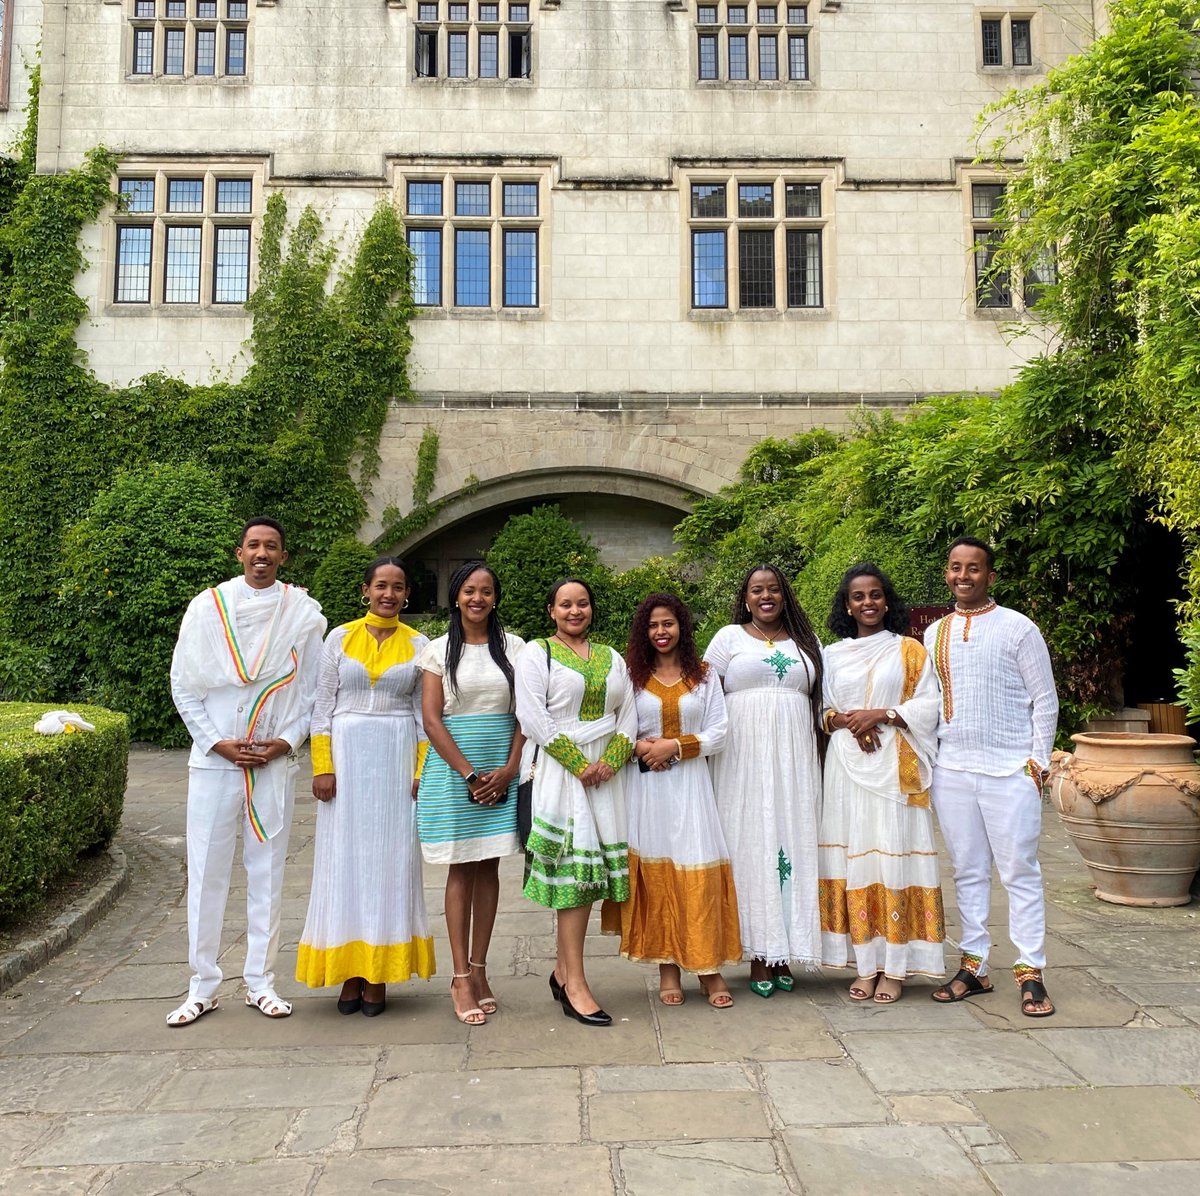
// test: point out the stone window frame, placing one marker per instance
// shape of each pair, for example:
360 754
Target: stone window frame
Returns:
999 22
779 223
6 36
448 223
1019 288
208 220
142 24
449 24
714 30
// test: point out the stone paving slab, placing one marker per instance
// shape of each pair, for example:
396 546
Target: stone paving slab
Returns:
1078 1001
141 1026
538 1105
908 1160
164 981
939 1108
822 1093
676 1116
1096 1179
746 1168
1112 1057
505 1171
162 1137
786 1026
679 1077
957 1060
64 1084
1083 1125
274 1177
18 1132
282 1087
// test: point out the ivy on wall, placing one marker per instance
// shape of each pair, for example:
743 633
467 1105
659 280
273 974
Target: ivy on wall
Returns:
296 438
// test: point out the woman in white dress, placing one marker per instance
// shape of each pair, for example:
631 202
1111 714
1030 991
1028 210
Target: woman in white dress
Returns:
682 909
881 903
467 803
366 924
768 778
576 708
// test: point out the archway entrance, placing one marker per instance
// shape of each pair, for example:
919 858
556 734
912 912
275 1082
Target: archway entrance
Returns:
629 517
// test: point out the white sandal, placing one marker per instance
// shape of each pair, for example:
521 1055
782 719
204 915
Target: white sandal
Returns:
269 1004
189 1011
488 1005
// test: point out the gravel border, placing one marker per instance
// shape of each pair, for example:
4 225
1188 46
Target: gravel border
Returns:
75 921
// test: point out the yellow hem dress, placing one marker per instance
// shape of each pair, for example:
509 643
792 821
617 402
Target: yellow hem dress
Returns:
366 912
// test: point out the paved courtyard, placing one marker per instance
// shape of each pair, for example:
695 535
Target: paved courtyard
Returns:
806 1092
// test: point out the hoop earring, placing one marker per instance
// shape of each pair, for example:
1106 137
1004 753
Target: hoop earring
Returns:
365 600
405 606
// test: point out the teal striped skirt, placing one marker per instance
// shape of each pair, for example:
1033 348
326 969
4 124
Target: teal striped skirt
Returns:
452 828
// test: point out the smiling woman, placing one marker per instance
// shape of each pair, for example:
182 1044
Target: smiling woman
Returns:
768 778
366 924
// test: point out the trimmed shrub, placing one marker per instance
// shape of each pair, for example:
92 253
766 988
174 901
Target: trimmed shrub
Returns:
337 582
147 546
60 796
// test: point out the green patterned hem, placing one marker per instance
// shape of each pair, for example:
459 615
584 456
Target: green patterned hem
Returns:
616 754
569 895
567 753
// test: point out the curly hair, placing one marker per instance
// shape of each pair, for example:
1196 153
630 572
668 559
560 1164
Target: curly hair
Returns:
799 629
640 655
842 623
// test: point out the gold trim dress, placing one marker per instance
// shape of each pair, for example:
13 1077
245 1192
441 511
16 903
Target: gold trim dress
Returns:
881 902
682 906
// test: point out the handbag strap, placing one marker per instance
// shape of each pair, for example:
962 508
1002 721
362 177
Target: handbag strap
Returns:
537 747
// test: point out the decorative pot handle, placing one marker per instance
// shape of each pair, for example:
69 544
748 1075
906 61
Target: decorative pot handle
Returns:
1098 793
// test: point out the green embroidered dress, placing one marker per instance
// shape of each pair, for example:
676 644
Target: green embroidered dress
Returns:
577 712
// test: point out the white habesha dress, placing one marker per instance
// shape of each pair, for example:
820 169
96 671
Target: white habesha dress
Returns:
768 788
478 712
881 904
682 906
575 712
366 913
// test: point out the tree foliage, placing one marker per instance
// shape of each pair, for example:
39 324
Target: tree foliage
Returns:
296 438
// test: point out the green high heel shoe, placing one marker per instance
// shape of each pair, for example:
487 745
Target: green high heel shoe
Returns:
762 988
785 983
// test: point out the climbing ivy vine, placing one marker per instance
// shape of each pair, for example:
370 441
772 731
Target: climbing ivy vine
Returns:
297 437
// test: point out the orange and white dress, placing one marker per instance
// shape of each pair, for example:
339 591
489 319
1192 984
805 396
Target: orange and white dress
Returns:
682 907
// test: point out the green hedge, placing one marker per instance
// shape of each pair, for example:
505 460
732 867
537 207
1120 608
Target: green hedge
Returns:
60 796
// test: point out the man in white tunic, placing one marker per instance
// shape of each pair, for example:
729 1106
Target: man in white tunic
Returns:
243 678
999 711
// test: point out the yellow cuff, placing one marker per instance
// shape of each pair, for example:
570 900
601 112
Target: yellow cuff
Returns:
422 752
689 747
322 754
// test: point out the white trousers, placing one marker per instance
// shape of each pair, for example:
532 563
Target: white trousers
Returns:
216 810
988 819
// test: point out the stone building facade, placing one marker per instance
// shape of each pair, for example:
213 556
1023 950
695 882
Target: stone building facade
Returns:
647 232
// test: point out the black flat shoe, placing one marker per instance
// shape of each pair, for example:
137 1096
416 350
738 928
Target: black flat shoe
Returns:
373 1008
349 1007
555 987
599 1018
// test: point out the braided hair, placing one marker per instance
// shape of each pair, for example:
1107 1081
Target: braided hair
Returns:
497 644
795 623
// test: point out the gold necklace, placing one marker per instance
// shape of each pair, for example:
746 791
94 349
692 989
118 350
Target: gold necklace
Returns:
767 639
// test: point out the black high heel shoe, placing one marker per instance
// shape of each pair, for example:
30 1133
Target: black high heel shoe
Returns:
556 989
353 1005
599 1018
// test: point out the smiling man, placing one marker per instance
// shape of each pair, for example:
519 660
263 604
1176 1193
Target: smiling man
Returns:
999 711
243 678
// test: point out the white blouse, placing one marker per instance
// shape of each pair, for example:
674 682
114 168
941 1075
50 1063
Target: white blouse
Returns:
480 685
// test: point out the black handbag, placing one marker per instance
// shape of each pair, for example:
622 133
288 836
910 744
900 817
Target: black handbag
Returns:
525 788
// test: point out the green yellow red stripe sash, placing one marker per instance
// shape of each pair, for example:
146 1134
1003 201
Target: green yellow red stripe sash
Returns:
256 709
245 674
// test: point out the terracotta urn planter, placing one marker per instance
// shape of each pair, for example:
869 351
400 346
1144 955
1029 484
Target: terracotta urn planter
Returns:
1131 804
